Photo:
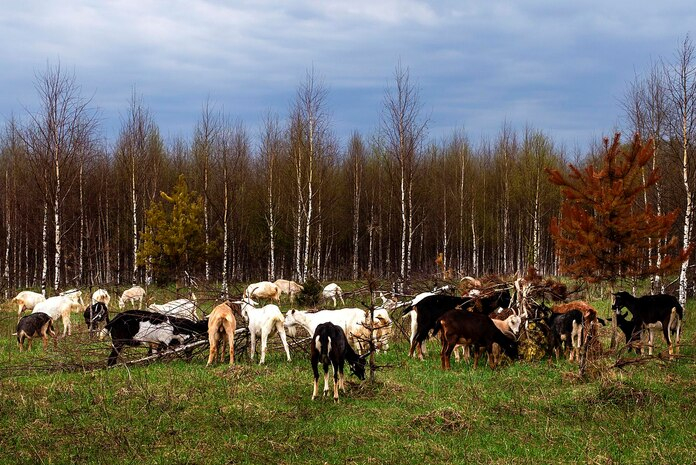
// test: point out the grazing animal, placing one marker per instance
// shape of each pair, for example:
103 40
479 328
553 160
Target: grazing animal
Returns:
263 290
510 327
221 322
137 327
428 310
27 300
131 295
331 291
649 310
628 328
566 328
380 330
264 322
350 320
35 325
101 295
289 287
180 308
59 307
75 295
471 328
94 315
330 346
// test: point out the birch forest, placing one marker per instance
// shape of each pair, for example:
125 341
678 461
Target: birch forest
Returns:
289 199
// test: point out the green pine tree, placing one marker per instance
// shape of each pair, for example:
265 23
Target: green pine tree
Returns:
174 239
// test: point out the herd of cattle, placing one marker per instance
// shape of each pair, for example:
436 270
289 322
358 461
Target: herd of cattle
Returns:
480 321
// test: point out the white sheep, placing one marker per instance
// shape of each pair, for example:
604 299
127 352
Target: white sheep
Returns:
331 291
264 322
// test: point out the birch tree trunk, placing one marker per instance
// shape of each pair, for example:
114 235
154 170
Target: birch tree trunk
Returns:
356 214
81 254
225 227
44 248
57 220
135 220
8 235
310 197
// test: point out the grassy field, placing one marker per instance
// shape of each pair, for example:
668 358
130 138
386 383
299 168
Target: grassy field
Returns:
181 412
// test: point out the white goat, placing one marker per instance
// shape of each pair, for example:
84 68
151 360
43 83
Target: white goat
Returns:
289 287
382 326
351 320
263 290
75 295
59 307
264 322
131 295
331 291
180 308
101 295
27 300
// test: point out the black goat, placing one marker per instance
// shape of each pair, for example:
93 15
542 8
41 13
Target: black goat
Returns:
330 345
650 310
35 325
470 328
628 328
431 308
94 315
136 327
566 328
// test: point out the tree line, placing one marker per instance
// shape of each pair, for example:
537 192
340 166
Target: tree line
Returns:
292 201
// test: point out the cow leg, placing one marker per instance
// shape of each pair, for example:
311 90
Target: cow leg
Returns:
315 371
230 341
651 339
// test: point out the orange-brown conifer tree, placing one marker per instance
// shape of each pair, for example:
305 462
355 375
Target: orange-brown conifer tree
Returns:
604 234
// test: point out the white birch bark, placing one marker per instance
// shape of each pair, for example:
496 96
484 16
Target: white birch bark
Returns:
8 234
44 249
135 220
57 220
356 213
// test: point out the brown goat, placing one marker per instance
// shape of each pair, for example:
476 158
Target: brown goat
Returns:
221 320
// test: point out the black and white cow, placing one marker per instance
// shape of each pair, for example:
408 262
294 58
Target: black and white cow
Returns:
137 327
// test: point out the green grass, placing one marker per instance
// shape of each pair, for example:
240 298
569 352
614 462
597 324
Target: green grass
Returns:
182 412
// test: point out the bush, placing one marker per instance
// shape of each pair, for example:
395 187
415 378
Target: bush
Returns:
310 295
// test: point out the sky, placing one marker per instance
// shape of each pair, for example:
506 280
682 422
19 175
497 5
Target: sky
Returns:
559 66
